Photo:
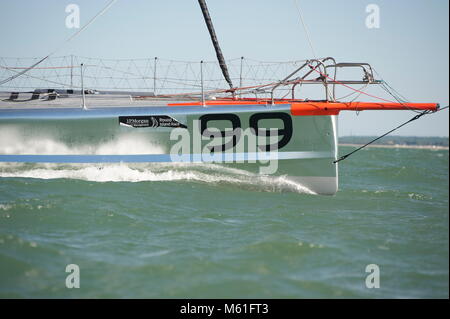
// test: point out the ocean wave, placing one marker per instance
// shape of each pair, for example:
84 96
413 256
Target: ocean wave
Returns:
154 172
14 142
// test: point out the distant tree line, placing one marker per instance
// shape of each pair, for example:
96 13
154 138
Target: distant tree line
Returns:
396 140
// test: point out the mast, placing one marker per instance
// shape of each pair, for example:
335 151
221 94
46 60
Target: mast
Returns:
215 42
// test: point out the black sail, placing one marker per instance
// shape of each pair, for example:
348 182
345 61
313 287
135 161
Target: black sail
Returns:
215 42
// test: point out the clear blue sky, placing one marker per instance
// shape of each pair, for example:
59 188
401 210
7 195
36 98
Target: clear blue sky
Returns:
410 49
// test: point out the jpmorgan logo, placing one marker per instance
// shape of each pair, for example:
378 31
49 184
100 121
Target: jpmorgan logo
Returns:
138 122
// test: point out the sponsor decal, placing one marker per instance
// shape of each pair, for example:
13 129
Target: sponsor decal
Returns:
150 121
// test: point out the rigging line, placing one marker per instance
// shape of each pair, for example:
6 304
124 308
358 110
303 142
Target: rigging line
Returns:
380 137
388 85
397 98
349 87
106 8
357 96
305 28
394 93
100 13
10 68
350 94
391 90
376 139
45 80
22 72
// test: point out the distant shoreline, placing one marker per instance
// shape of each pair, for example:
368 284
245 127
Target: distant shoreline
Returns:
427 147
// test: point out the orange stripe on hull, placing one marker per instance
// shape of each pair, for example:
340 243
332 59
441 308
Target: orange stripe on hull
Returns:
320 108
333 108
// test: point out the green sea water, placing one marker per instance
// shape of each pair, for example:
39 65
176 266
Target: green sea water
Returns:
209 232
